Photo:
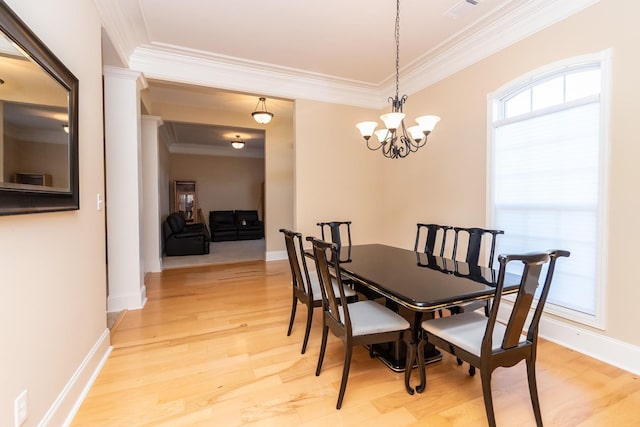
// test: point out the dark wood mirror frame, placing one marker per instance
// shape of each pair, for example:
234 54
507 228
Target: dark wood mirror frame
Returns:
21 201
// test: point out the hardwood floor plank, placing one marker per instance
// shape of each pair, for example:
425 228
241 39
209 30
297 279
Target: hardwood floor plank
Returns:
210 349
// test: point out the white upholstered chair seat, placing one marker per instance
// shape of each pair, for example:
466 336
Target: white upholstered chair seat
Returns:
466 331
317 293
369 317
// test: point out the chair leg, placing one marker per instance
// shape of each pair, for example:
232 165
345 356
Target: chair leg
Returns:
308 328
323 346
472 370
294 305
488 400
423 376
411 357
533 391
345 373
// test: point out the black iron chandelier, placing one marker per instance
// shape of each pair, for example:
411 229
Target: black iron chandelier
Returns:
395 140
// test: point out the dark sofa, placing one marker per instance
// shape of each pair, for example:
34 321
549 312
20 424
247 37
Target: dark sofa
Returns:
235 225
181 238
223 226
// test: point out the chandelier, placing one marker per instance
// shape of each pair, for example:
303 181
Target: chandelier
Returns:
395 140
262 116
237 143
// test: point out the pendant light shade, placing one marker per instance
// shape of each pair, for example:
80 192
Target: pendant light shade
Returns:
237 143
261 115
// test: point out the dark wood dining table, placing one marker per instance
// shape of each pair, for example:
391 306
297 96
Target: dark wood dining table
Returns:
417 284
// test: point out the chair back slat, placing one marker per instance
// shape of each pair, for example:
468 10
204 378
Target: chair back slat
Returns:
340 233
474 243
332 302
432 233
296 258
554 254
523 302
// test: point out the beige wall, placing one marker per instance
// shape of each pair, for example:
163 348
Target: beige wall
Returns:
279 186
53 286
336 177
222 183
278 162
445 182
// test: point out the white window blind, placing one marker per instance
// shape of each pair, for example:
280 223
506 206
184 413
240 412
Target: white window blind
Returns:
545 179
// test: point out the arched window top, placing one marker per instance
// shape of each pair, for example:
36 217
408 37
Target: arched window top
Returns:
568 85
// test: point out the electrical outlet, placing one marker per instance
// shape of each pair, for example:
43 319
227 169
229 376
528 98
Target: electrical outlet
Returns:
20 409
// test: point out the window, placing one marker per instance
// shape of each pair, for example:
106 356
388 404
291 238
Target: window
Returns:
547 177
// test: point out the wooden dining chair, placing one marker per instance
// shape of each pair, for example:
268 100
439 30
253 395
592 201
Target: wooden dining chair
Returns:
430 234
306 287
358 323
340 234
475 237
474 242
487 344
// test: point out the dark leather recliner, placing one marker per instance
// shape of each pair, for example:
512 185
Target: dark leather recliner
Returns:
249 226
181 238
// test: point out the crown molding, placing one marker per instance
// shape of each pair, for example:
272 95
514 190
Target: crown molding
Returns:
471 46
120 26
492 34
192 67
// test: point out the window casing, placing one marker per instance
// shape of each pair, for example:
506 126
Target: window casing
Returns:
547 163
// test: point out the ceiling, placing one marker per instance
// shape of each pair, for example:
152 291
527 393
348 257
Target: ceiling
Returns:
310 36
331 50
192 138
197 138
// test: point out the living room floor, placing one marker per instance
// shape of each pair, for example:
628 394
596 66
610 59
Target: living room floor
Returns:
220 253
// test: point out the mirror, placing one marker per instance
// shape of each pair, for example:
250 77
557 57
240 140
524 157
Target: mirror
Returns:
38 124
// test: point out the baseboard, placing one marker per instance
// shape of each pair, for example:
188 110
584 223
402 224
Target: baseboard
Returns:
68 402
276 255
609 350
127 302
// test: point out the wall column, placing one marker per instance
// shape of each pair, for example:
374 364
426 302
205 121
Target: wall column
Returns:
151 224
124 196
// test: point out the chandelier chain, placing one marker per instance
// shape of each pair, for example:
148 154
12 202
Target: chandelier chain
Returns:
397 48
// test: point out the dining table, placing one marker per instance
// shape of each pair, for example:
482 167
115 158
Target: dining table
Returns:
417 285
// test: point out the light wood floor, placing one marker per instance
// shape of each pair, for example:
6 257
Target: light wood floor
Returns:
210 349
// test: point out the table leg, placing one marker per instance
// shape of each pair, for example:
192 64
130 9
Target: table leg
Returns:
394 354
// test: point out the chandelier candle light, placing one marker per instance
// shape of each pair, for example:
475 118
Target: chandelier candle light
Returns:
396 144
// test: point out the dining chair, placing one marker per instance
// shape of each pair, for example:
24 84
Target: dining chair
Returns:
475 237
428 233
306 287
358 323
488 344
474 242
340 234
